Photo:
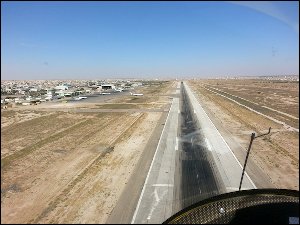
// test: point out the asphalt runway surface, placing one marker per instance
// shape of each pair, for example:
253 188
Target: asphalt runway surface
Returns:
199 178
192 162
97 98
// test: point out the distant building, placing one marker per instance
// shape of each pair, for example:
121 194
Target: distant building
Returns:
107 86
60 92
61 87
69 93
136 84
33 89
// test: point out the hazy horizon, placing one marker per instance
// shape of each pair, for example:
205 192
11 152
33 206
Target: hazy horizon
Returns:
102 40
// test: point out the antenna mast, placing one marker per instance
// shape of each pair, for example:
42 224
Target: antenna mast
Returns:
252 138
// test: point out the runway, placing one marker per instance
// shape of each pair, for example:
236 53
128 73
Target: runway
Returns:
155 204
192 162
225 162
199 177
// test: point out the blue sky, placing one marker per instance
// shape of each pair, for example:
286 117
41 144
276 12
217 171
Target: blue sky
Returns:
91 40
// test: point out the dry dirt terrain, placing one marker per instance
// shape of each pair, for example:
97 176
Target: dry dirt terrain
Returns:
70 167
246 106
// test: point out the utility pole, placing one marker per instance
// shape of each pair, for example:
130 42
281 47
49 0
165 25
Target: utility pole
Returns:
251 140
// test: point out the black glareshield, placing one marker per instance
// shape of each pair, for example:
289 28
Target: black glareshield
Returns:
256 206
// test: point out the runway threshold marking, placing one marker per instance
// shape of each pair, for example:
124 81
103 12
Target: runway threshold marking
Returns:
156 195
176 145
157 200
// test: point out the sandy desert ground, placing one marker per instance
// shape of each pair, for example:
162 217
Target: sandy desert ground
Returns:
60 164
276 154
70 167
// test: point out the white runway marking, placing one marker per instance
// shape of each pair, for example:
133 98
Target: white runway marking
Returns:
162 185
146 181
208 144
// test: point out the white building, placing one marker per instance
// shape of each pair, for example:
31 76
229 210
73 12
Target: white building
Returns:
61 87
60 93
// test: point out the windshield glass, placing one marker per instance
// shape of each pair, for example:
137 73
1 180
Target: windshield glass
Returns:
128 112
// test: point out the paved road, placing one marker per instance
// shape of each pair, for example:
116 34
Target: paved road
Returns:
199 177
97 98
225 161
156 201
258 176
192 162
